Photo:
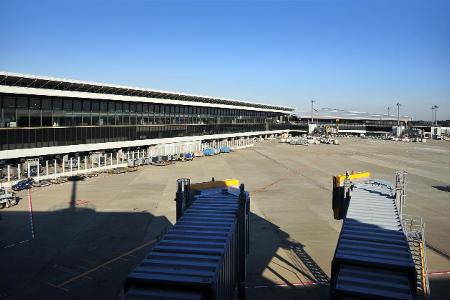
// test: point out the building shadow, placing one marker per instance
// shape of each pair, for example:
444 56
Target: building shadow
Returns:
81 253
77 252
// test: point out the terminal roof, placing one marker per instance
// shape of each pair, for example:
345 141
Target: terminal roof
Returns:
33 81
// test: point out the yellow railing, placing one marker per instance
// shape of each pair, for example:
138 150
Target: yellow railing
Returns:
215 184
339 179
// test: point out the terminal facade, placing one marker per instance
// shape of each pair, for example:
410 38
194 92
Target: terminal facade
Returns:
41 115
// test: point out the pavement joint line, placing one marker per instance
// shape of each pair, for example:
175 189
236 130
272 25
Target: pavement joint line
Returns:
104 264
57 287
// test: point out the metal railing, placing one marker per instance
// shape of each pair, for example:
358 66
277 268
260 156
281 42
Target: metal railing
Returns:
400 190
415 232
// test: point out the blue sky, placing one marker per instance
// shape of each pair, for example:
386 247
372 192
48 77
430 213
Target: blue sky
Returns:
359 55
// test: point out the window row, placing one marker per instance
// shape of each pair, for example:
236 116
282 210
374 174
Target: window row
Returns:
19 138
90 105
46 118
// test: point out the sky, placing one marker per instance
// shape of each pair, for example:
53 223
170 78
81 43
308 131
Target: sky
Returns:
357 55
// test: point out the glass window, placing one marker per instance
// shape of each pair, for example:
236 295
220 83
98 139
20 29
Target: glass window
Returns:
22 102
46 103
57 104
86 105
132 107
103 106
67 104
118 106
35 103
111 107
139 107
126 107
9 117
77 105
95 106
9 102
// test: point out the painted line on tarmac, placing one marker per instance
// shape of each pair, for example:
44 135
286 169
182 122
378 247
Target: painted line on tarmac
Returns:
438 273
120 257
55 286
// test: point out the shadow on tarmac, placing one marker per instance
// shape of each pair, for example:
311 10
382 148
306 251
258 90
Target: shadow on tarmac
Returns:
442 188
279 267
80 253
77 252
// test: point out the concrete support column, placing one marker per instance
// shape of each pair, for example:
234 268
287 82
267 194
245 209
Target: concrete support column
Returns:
46 167
55 166
28 169
85 162
111 158
9 173
38 170
63 166
79 163
71 166
117 158
18 171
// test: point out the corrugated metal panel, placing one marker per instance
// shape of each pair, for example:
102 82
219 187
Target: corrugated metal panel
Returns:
198 255
372 257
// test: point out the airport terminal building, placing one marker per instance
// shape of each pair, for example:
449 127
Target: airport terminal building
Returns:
352 122
49 116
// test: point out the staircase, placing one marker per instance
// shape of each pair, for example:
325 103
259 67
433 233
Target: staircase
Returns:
415 231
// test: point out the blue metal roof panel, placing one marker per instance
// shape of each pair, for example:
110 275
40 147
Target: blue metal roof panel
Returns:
372 257
158 293
377 283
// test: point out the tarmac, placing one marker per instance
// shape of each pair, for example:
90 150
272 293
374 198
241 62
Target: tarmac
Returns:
90 234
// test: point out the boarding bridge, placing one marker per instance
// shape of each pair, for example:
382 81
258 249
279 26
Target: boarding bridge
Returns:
380 252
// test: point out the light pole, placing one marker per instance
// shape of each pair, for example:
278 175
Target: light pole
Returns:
432 115
398 113
435 114
312 110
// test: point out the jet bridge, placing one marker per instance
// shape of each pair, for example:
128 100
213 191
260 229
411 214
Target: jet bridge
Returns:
380 252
